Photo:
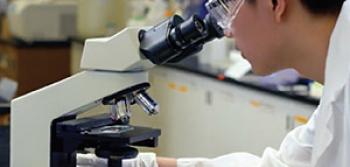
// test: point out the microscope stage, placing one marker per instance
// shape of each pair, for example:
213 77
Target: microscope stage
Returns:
102 129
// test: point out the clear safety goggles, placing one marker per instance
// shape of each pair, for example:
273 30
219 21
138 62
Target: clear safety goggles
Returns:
224 11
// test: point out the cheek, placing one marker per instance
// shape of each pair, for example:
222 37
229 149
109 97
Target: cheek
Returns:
260 41
253 37
245 33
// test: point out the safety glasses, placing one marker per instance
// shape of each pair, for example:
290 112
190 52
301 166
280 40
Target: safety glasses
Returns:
224 11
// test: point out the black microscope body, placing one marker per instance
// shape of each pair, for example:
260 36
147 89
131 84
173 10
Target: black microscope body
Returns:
109 138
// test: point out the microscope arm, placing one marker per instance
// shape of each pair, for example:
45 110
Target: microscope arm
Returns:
119 53
32 114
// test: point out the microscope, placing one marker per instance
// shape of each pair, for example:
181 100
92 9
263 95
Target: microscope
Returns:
45 127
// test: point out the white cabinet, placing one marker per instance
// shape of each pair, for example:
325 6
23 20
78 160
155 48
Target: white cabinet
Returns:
204 117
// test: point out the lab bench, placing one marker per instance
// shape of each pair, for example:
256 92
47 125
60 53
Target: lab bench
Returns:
205 114
34 65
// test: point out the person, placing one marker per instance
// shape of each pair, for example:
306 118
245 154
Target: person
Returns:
311 36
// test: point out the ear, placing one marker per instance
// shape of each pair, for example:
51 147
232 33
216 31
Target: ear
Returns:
279 8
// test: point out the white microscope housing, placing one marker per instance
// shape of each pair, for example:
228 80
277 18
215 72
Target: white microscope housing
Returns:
112 67
109 65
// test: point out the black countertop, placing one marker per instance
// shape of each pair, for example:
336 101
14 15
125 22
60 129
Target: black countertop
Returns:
4 107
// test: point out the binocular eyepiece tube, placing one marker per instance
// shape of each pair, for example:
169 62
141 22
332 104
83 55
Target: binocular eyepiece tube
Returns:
176 38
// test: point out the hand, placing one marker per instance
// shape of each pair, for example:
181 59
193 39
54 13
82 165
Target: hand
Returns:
166 162
90 160
142 160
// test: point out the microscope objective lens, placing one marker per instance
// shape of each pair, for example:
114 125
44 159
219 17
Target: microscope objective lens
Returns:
150 106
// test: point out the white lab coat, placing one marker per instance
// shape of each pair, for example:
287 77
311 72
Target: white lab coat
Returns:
325 140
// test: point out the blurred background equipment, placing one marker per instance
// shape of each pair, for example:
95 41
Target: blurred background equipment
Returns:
187 8
100 17
149 12
42 20
34 65
8 89
34 41
3 6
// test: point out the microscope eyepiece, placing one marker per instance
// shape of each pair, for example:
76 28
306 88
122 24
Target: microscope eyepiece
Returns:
176 38
187 33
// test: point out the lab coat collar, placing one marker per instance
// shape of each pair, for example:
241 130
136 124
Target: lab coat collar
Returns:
338 59
336 78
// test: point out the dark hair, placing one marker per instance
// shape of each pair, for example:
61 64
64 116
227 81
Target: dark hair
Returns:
323 6
319 6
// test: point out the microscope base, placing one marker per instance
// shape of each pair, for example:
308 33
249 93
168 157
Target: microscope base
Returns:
101 133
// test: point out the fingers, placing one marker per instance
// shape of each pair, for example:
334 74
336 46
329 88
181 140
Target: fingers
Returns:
90 160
